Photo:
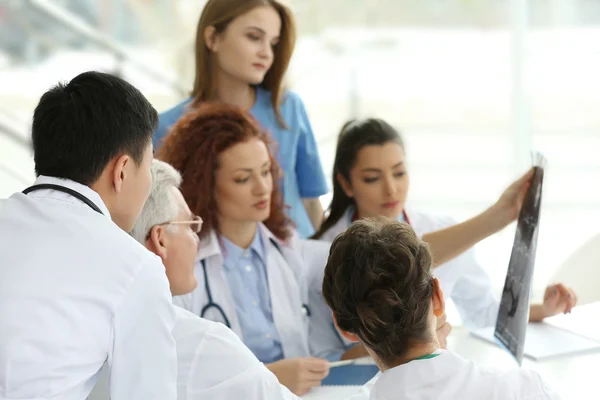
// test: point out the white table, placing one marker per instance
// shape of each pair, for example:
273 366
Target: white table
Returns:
572 377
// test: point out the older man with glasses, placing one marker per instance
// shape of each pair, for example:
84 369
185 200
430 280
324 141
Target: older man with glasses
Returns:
212 361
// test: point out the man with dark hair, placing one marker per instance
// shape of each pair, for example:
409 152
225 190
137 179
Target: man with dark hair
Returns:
76 291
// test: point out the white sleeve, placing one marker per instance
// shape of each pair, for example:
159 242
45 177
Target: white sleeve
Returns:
547 392
143 361
215 364
472 293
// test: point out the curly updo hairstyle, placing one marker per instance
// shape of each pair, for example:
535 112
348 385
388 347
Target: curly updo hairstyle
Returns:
379 285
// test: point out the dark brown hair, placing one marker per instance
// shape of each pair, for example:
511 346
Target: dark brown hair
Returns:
193 147
219 14
379 285
352 138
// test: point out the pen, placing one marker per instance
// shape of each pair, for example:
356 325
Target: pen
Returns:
340 363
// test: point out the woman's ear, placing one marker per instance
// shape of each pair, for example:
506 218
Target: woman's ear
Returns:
439 304
345 185
210 38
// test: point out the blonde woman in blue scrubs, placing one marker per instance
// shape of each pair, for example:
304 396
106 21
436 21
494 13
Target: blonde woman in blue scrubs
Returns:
243 49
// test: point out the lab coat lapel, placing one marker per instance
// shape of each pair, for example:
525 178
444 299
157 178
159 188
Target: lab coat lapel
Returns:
286 296
210 253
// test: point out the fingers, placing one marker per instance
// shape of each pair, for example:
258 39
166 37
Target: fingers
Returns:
317 365
522 184
571 300
561 297
306 374
573 297
526 178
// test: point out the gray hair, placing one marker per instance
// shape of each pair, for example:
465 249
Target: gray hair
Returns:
159 207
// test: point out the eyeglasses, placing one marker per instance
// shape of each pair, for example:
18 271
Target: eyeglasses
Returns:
195 224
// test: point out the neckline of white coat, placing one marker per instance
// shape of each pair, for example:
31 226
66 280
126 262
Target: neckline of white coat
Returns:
78 187
209 246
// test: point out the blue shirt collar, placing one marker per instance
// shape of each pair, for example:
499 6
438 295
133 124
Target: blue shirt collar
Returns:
232 254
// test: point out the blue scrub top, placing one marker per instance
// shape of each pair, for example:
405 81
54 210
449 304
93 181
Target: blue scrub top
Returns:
297 153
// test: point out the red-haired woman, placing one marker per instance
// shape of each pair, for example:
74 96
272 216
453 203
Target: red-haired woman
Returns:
253 272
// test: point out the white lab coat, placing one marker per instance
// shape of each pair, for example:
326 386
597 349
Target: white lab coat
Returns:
462 279
75 292
213 363
451 377
290 274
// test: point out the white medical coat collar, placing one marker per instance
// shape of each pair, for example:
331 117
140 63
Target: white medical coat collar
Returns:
78 187
346 220
210 246
416 374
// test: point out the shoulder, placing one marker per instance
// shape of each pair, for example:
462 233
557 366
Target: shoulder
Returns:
176 111
291 105
330 234
340 226
522 383
189 325
127 246
131 258
201 342
290 98
425 222
169 117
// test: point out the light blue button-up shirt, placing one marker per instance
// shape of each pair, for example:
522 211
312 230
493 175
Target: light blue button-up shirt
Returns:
246 273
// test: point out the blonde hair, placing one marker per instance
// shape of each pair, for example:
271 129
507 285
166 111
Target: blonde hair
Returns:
218 14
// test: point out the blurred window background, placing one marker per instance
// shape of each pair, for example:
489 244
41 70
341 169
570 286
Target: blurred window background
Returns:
474 85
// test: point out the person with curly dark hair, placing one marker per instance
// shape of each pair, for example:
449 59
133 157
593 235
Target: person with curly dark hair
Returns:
253 271
379 285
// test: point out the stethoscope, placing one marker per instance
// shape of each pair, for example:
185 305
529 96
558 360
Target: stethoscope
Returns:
337 333
211 304
63 189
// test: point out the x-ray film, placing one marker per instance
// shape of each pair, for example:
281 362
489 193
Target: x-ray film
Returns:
513 314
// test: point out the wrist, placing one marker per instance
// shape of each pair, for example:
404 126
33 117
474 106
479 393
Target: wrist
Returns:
497 217
537 313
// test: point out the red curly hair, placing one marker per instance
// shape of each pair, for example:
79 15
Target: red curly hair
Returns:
193 147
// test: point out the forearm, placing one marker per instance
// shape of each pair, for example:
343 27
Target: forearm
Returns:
450 242
314 209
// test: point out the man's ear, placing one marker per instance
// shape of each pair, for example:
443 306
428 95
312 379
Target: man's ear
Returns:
439 304
119 175
347 335
346 187
158 240
210 38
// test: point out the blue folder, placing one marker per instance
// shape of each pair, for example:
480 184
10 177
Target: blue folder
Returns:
350 375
